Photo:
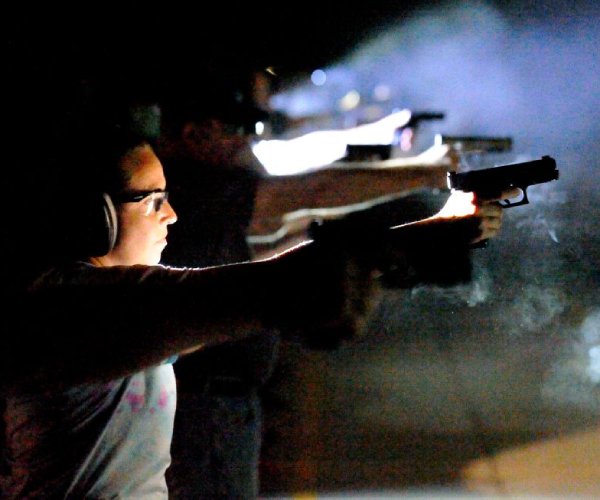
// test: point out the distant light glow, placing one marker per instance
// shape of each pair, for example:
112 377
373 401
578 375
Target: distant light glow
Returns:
259 128
372 113
406 139
350 101
382 93
318 77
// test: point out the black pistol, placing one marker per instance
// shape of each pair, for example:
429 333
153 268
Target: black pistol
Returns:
417 117
489 183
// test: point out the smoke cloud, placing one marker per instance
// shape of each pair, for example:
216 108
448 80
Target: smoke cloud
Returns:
528 71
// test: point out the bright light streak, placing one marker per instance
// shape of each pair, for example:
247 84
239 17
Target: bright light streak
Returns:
380 132
321 148
313 150
318 77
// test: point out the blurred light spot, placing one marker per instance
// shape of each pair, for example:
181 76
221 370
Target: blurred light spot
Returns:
406 139
382 92
594 366
259 128
318 77
350 101
590 328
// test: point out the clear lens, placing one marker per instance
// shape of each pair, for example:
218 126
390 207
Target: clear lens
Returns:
151 201
154 201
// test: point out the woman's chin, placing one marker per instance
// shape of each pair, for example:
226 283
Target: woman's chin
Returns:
153 258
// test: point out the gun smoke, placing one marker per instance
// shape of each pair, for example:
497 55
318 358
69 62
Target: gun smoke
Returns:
576 380
528 71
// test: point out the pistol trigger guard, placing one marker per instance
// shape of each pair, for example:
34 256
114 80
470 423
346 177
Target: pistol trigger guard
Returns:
523 201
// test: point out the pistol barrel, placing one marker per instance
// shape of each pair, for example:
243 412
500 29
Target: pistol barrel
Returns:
475 144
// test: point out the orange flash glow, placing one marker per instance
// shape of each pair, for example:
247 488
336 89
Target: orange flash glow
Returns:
460 204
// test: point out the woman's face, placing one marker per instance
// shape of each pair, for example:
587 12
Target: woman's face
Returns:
143 225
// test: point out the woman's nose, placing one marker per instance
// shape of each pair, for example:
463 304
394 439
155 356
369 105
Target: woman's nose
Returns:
169 216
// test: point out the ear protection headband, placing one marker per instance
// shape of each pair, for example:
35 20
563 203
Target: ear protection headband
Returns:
55 228
107 237
99 235
88 228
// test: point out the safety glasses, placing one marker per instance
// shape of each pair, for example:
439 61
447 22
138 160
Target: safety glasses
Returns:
149 200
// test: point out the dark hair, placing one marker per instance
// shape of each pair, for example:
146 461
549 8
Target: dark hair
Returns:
61 156
87 159
96 161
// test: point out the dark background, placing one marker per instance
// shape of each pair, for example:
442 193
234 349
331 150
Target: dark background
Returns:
122 40
441 377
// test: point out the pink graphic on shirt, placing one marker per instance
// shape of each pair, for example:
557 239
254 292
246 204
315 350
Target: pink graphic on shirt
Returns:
163 398
136 401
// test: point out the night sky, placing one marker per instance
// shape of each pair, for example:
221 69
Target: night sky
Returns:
127 40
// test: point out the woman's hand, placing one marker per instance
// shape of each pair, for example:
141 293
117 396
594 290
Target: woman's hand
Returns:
489 211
